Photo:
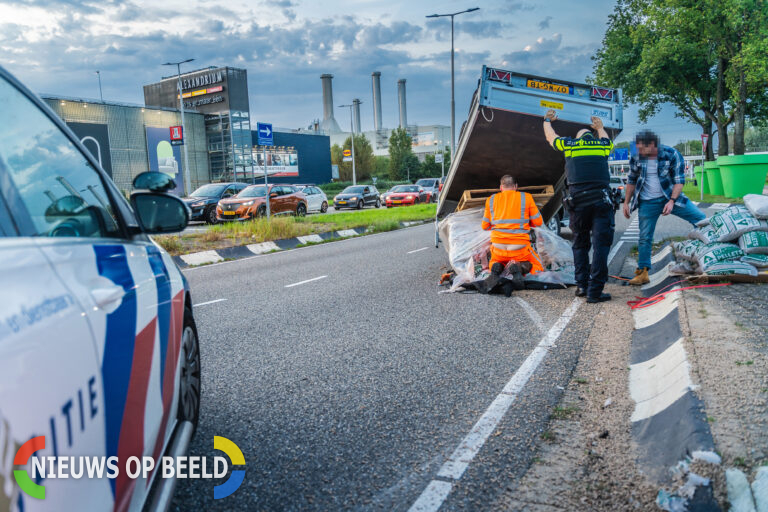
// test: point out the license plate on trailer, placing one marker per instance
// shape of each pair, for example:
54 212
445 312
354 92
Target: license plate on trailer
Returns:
562 89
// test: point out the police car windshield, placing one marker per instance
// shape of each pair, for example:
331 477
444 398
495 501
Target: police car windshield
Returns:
259 191
211 190
353 190
405 188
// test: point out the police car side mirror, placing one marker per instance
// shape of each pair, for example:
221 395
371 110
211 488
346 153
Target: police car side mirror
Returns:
160 212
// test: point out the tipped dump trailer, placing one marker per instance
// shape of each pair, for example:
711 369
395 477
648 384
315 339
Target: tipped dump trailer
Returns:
503 135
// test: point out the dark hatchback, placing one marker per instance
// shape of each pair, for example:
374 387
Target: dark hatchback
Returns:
357 196
203 201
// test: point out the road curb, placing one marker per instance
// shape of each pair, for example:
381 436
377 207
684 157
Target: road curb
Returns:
237 252
668 424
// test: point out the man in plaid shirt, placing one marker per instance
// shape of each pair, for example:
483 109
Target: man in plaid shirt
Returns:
654 188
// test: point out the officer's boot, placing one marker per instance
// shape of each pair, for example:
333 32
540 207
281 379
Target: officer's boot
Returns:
641 277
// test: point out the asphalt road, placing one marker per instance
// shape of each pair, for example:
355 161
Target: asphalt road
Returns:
348 380
350 391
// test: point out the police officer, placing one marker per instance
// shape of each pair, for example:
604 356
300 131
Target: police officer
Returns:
589 203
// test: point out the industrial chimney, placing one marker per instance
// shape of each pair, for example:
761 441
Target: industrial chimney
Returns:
376 84
401 102
356 114
329 124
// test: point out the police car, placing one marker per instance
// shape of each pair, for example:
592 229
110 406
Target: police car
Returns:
98 345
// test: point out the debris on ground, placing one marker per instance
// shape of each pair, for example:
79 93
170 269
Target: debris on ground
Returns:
734 241
469 252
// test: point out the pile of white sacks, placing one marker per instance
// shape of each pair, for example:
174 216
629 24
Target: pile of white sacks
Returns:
732 241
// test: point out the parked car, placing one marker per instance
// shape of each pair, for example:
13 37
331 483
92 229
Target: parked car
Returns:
97 319
431 185
252 202
618 183
402 195
357 196
203 201
317 201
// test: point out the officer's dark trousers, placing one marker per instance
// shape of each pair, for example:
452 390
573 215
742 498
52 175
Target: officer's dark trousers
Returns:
592 226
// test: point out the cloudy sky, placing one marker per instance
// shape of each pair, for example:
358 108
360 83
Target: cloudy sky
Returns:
55 46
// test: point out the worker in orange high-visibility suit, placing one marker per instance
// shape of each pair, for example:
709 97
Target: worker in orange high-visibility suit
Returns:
510 215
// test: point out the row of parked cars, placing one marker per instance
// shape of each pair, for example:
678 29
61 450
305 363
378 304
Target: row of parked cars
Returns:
219 202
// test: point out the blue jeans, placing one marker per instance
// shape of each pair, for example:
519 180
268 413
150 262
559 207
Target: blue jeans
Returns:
648 212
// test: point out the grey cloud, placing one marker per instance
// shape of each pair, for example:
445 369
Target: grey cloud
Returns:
547 56
544 24
440 27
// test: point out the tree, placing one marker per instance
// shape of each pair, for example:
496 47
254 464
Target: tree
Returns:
364 160
402 162
432 169
703 56
380 166
687 148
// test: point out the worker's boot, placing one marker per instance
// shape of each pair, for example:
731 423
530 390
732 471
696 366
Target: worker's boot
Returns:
641 277
526 267
490 282
516 276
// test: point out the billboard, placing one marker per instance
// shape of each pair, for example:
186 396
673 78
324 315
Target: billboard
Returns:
95 137
281 161
164 157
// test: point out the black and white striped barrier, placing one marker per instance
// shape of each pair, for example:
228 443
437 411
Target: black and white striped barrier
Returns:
668 423
247 251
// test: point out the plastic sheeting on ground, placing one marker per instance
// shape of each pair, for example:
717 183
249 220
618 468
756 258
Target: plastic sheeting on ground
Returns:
468 247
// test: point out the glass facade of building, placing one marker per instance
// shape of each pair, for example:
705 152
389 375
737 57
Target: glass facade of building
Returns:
119 136
221 95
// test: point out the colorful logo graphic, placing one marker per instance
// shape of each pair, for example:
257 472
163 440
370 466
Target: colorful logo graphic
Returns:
22 477
237 476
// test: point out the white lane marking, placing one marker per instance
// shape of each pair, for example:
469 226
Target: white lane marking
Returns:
417 250
432 497
305 248
649 315
209 302
437 491
532 313
309 238
305 282
614 251
659 382
263 247
198 258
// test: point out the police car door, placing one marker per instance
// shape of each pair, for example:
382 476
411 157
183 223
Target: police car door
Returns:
50 380
123 285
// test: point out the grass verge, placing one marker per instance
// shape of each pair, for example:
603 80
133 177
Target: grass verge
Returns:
256 231
693 193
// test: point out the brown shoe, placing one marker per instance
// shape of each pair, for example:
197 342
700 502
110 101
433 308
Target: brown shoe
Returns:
641 277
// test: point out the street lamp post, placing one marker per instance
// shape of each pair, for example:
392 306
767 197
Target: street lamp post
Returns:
187 184
352 130
453 101
101 95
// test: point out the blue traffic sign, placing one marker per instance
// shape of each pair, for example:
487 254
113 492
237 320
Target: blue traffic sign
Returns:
264 131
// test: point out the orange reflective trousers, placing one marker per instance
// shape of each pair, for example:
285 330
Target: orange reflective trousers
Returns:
525 254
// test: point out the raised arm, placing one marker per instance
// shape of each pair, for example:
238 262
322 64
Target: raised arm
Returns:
597 125
549 132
